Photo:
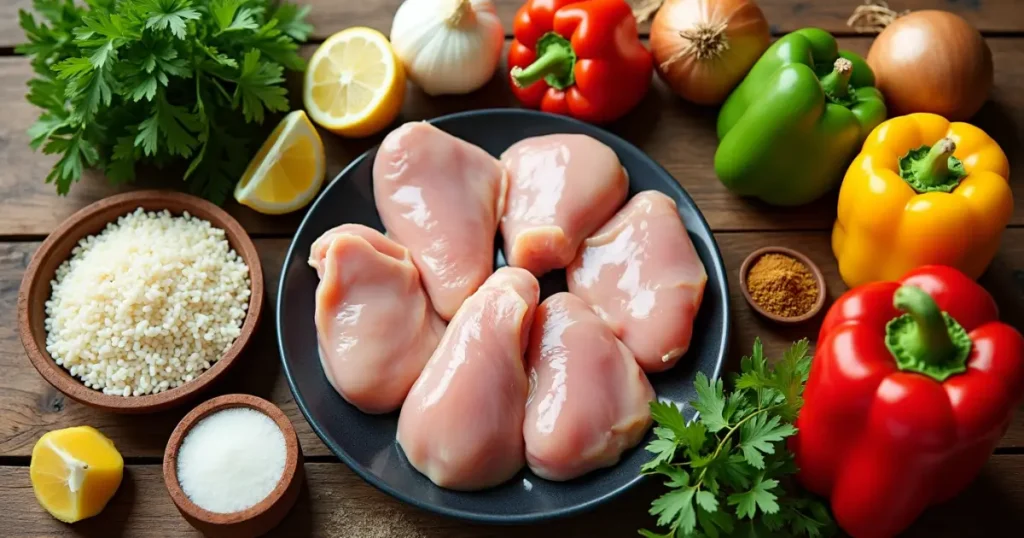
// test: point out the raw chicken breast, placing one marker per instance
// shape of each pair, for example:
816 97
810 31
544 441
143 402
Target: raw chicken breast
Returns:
561 188
589 400
318 251
374 323
441 197
462 424
641 274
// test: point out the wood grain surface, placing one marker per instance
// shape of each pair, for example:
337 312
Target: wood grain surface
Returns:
335 502
679 135
330 16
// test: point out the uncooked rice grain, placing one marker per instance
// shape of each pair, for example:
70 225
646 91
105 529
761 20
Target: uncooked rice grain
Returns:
147 304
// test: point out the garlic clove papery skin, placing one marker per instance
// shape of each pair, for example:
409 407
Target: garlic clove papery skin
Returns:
448 46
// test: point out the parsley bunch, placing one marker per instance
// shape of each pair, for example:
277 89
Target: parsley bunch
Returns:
163 82
726 470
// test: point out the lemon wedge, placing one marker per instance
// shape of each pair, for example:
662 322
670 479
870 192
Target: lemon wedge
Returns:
287 171
75 472
355 84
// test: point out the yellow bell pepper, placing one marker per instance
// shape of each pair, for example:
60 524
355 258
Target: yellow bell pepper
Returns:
922 191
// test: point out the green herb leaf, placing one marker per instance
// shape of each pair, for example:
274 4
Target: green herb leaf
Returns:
710 403
257 87
757 436
664 449
291 21
669 416
758 497
232 15
675 508
170 15
707 501
735 455
147 81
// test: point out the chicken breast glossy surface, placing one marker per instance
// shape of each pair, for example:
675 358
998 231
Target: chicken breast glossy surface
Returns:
562 187
589 400
462 424
642 275
375 326
440 197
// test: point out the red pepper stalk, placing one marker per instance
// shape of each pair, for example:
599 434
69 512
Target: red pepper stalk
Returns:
579 58
912 385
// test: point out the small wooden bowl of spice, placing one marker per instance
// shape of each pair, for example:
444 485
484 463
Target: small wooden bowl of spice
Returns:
782 285
233 466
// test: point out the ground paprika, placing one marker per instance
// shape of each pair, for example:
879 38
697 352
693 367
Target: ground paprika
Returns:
782 285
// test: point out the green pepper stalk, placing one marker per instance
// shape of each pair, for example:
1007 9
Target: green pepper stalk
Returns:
837 83
926 340
933 169
555 63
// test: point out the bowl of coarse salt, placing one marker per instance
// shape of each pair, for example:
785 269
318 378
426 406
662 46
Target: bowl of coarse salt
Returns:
233 466
140 301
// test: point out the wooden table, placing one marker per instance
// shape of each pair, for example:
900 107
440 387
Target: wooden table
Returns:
337 503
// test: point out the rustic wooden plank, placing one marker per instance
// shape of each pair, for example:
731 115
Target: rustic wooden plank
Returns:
677 134
29 406
330 16
336 502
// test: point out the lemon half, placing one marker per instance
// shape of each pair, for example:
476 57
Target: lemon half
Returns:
288 170
354 84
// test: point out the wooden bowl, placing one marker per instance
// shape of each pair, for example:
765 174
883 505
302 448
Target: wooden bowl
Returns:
266 514
814 269
36 290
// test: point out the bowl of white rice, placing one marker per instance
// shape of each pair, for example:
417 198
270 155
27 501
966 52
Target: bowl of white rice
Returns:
140 301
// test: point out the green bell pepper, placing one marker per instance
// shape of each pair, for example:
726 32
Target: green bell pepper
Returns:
789 130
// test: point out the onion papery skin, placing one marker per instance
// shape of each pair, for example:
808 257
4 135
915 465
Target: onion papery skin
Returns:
745 36
932 61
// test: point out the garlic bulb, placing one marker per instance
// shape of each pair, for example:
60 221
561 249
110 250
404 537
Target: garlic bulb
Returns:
448 46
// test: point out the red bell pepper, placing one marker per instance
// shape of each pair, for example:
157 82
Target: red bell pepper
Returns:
581 59
911 387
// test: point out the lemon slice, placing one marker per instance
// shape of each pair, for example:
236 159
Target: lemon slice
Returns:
355 84
75 472
287 171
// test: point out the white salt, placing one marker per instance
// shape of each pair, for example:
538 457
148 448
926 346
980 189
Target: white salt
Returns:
231 460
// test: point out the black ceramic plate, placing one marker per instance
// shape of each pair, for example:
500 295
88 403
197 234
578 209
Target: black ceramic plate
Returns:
367 443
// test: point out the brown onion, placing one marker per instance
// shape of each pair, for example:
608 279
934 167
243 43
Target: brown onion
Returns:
932 61
704 48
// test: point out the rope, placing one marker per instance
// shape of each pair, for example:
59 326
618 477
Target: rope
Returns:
874 16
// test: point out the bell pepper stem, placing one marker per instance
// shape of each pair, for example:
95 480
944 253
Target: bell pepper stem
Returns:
837 83
926 340
931 339
933 169
555 62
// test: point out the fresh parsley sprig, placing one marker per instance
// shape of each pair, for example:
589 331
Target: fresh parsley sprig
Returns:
123 82
727 471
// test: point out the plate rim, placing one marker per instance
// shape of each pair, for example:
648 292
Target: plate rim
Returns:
465 515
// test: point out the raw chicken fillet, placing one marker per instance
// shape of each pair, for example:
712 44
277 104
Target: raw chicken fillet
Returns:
462 424
562 187
441 197
379 241
374 323
641 274
589 400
